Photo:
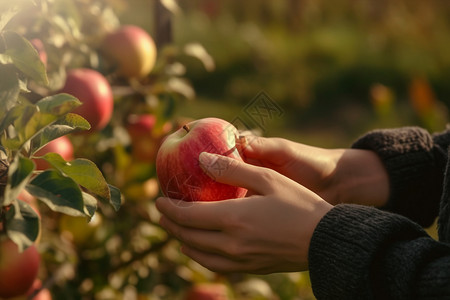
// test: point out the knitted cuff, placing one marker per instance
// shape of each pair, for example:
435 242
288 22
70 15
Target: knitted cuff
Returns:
415 178
345 254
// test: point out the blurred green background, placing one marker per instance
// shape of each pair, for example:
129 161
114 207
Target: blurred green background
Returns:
336 68
333 69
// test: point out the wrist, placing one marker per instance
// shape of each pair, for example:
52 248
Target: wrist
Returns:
361 178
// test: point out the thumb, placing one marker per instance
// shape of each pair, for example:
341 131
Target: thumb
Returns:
258 148
234 172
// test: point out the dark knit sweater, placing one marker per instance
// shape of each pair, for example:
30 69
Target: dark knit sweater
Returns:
359 252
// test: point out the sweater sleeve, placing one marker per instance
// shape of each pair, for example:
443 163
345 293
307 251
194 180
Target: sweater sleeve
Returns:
361 252
415 162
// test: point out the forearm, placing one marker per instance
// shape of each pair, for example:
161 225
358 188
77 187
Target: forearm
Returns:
361 178
360 252
415 166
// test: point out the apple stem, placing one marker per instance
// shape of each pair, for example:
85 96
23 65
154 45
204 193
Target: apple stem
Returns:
186 127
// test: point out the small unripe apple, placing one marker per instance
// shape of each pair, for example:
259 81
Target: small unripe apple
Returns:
78 229
94 91
62 145
18 270
131 49
208 291
177 165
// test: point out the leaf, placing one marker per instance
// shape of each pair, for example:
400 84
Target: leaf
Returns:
6 16
9 89
172 6
24 56
181 86
19 173
58 105
22 224
67 124
13 114
90 204
30 120
58 192
115 197
198 51
82 171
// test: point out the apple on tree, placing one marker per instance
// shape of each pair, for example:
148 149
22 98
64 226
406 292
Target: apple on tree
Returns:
177 166
78 229
145 138
62 145
131 49
208 291
18 270
94 91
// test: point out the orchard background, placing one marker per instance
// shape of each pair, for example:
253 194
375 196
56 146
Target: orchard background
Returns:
333 71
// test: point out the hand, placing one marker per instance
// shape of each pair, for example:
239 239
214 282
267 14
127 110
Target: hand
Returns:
337 175
267 232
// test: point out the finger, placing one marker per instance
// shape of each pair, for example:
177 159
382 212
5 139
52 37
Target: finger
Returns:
202 215
237 173
255 147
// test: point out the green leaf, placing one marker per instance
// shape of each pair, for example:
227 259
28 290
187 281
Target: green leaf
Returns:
82 171
30 120
58 105
22 224
67 124
9 89
19 173
18 116
90 204
59 192
115 197
9 9
7 14
20 52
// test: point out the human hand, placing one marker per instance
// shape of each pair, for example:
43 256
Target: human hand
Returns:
337 175
267 232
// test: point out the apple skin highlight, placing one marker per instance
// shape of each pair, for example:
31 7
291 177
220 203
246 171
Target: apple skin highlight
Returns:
177 162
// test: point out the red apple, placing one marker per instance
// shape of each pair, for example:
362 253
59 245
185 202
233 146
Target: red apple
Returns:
94 91
207 291
39 46
177 165
17 270
131 49
62 145
145 138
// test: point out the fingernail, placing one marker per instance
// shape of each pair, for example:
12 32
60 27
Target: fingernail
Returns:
207 159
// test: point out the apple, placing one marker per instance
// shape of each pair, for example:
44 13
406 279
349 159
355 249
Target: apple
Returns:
18 270
177 166
141 191
78 229
62 145
131 49
145 137
208 291
39 46
94 91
